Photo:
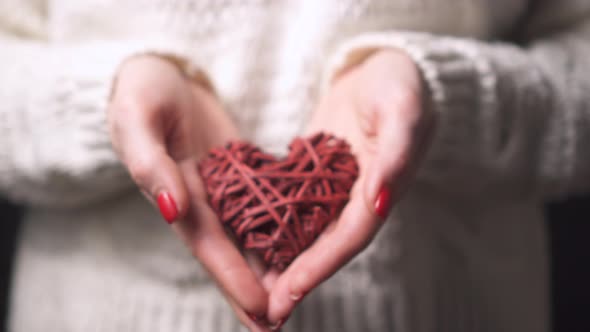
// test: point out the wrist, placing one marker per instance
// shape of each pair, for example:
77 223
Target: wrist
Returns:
363 61
186 69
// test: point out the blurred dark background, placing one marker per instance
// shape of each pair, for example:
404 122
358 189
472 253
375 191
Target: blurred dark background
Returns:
9 216
569 228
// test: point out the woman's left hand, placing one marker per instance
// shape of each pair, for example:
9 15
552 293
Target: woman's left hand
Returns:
377 107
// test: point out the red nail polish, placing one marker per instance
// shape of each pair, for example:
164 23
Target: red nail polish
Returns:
167 207
383 202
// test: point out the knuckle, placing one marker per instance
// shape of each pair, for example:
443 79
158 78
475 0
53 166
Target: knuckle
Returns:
136 106
141 171
115 125
359 243
130 104
231 271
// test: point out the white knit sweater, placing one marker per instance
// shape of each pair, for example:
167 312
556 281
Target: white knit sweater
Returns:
470 254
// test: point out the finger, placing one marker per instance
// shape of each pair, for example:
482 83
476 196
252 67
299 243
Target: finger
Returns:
270 278
206 238
267 276
327 255
253 324
142 147
223 261
397 149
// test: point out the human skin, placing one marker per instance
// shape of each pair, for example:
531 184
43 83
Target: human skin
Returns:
379 107
161 124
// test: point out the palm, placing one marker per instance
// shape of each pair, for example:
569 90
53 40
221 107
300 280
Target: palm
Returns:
354 124
245 283
161 124
241 280
376 107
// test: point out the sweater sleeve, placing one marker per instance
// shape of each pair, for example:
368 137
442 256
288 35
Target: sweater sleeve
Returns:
508 114
54 143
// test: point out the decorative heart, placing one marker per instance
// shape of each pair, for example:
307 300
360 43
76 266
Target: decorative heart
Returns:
278 207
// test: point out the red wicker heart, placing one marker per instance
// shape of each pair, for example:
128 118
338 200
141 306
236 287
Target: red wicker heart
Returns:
278 207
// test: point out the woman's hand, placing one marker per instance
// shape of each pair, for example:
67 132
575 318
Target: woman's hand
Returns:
377 107
161 124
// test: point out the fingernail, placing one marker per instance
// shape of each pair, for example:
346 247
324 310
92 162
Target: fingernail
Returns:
277 326
297 297
383 202
167 207
254 317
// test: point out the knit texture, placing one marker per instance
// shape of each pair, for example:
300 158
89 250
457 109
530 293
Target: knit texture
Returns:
464 251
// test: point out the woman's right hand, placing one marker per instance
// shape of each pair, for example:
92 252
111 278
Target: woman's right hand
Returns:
161 124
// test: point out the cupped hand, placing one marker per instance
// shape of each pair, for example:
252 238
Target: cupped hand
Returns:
377 107
161 123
